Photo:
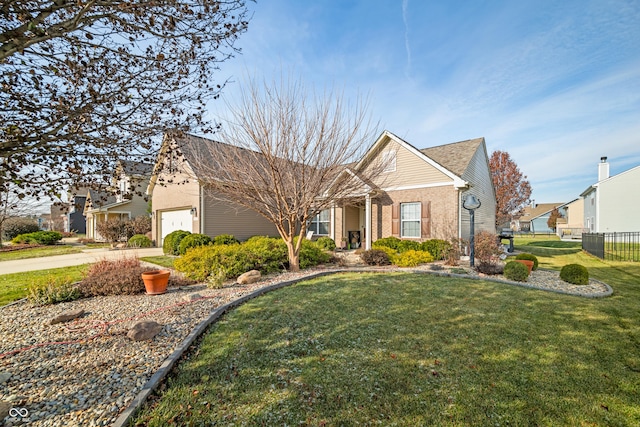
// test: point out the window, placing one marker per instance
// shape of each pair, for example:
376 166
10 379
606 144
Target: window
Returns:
320 223
410 220
389 161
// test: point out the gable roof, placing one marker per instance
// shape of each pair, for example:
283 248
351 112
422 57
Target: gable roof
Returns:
455 156
133 168
451 159
529 213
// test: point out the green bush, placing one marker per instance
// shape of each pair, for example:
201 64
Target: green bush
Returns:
436 247
171 244
516 271
408 245
387 242
375 257
575 273
225 239
52 291
412 258
192 241
311 254
15 226
39 237
227 261
529 257
268 254
326 243
139 241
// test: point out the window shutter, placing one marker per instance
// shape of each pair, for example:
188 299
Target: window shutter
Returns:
395 220
425 221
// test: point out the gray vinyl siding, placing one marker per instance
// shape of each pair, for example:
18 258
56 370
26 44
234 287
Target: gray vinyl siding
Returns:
590 200
227 218
479 176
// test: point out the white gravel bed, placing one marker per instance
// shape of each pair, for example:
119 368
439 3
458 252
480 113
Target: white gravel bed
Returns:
90 382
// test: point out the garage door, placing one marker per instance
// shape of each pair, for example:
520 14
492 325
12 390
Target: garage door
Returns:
175 220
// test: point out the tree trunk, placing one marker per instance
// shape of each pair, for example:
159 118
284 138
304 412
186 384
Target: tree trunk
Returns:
294 256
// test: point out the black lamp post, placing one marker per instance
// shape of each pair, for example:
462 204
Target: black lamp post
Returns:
471 203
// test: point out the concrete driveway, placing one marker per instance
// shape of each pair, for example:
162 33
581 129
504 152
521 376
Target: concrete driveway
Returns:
87 256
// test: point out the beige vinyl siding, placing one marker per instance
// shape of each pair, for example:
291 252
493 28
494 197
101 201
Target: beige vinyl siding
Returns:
478 173
182 193
227 218
411 170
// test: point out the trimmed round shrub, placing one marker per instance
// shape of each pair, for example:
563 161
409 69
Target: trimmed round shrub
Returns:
529 257
436 247
375 257
39 237
171 244
268 254
139 241
225 239
516 271
575 273
411 258
387 242
192 241
15 226
326 243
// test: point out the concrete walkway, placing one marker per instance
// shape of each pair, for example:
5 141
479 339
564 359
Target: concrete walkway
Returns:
87 256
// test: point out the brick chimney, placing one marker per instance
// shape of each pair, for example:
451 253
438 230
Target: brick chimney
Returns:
603 169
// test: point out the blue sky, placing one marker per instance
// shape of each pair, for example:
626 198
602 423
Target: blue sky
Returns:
554 83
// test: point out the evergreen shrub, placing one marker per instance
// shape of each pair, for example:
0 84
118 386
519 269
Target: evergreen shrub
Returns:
412 258
326 243
516 271
139 241
192 241
575 273
171 244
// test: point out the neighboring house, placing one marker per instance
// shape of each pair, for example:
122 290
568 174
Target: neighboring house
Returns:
611 204
571 225
419 195
535 216
58 217
124 200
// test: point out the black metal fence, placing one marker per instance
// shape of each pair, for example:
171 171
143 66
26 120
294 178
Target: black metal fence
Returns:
613 246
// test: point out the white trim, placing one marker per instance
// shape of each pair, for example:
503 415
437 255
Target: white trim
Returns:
367 222
419 220
418 186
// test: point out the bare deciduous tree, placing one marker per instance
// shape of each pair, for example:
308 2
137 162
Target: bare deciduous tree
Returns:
286 155
84 83
512 187
13 207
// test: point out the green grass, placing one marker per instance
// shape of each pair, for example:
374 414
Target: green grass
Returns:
407 349
164 261
40 251
14 286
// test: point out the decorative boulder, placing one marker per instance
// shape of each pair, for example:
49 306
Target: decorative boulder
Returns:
191 297
65 317
144 330
251 276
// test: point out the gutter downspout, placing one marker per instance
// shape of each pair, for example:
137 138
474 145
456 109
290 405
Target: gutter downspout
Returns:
201 208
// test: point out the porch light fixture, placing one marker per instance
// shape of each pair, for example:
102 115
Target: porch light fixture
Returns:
471 203
194 212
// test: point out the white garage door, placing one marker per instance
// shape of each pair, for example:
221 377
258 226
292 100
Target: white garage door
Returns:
175 220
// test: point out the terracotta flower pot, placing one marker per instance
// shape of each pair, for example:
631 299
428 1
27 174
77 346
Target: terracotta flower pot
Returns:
156 281
526 262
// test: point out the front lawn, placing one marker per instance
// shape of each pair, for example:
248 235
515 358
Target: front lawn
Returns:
162 260
14 286
39 251
409 349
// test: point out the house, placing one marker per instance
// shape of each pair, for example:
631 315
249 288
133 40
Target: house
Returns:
535 216
571 225
418 196
124 199
180 202
609 203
